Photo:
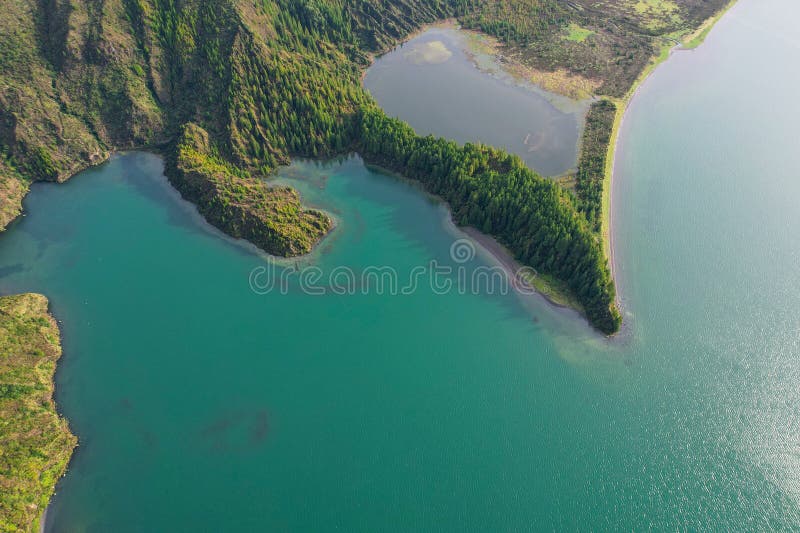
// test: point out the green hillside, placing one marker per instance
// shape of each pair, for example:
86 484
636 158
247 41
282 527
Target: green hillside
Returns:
35 443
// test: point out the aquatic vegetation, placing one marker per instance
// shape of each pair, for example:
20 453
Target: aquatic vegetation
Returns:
429 53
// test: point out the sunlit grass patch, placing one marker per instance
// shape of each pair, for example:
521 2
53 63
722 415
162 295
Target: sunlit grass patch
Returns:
658 14
655 7
577 33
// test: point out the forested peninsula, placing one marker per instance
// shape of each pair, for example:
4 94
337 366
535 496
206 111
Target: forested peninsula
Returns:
261 81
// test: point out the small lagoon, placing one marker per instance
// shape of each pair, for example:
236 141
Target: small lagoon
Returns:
443 82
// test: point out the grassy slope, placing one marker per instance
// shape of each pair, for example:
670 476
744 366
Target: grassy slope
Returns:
269 217
13 187
267 79
35 443
70 91
696 38
80 78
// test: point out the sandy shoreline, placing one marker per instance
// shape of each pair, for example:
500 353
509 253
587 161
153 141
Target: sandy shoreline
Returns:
487 244
503 257
687 43
623 105
499 252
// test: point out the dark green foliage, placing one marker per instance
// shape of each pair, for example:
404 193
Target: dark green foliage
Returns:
272 218
13 392
300 104
271 79
516 22
41 165
592 163
494 191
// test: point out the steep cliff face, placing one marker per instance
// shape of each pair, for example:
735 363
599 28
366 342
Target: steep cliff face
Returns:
13 188
80 78
264 79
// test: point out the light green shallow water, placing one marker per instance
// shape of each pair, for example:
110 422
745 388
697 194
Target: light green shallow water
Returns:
202 405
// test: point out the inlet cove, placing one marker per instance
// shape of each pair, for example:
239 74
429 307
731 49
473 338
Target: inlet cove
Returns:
292 387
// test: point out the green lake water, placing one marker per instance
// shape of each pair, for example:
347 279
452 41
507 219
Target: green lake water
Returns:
440 82
204 405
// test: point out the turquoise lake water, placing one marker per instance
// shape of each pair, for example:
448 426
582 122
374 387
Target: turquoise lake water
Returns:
201 404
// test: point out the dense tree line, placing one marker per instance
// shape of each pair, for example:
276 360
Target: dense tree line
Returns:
592 162
232 88
298 98
496 193
516 22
